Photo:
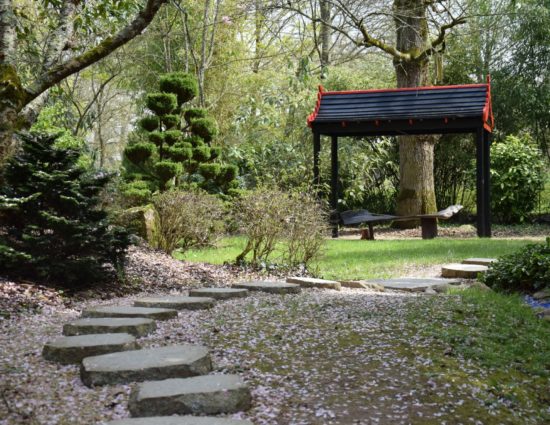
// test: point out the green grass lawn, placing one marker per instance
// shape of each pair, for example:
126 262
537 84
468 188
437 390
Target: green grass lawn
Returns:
356 259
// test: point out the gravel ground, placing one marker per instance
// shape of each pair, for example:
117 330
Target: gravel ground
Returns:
319 357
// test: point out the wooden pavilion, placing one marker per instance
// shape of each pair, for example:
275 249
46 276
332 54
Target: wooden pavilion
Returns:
408 111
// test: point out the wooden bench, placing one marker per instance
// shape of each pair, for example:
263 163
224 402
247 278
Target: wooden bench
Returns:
428 222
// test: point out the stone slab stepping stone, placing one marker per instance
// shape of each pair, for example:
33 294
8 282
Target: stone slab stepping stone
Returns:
270 287
219 293
72 349
362 284
466 271
311 282
180 420
136 326
211 394
177 361
413 284
176 302
125 311
479 261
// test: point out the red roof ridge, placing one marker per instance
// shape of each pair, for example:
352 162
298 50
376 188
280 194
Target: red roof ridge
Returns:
457 86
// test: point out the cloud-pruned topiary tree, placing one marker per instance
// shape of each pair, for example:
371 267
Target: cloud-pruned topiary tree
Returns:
174 144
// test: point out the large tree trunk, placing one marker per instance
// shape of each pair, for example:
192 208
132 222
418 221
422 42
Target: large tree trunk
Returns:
416 153
325 36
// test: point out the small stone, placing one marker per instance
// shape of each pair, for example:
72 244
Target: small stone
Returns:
311 282
124 311
480 286
466 271
443 288
179 361
219 293
362 284
72 349
136 326
479 261
209 395
176 302
180 420
430 291
542 295
270 287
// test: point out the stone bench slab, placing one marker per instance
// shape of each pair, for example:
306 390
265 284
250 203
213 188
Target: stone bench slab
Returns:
72 349
219 293
479 261
413 284
270 287
180 420
311 282
465 271
179 361
125 311
211 394
176 302
136 326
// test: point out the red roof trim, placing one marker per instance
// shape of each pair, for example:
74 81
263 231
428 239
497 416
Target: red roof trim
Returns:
313 115
461 86
488 118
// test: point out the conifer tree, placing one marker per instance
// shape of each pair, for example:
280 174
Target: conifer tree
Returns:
174 148
51 228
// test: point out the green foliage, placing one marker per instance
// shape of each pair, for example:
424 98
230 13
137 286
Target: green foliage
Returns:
188 219
172 136
149 123
184 86
156 137
171 121
139 152
229 173
215 152
206 128
201 153
161 103
51 227
517 178
194 113
209 171
136 193
180 152
525 270
167 170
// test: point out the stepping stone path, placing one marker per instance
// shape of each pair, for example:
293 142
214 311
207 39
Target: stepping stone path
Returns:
466 271
116 311
180 420
133 325
362 284
219 293
179 361
211 394
413 284
72 349
310 282
270 287
176 302
479 261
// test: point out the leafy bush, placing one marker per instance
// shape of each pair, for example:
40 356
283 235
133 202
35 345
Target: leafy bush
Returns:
517 178
51 228
135 193
188 219
525 270
184 86
161 103
269 216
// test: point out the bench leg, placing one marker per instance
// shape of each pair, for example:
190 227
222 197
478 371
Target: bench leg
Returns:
429 227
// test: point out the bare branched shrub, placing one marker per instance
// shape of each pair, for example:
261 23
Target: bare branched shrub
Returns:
188 219
295 223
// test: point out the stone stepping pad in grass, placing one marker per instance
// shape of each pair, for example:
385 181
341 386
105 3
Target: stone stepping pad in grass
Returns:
176 302
413 284
72 349
136 326
311 282
479 261
219 293
465 271
211 394
125 311
178 361
180 420
270 287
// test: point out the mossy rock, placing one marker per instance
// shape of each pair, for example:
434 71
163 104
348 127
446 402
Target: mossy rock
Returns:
142 221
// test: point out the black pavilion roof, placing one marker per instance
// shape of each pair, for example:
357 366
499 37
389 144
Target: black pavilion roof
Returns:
402 109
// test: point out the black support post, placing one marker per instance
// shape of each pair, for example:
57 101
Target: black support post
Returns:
334 186
483 183
316 152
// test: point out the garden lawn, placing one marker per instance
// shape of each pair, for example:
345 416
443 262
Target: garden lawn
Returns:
356 259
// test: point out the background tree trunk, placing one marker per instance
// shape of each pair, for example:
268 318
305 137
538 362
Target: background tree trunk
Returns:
416 153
